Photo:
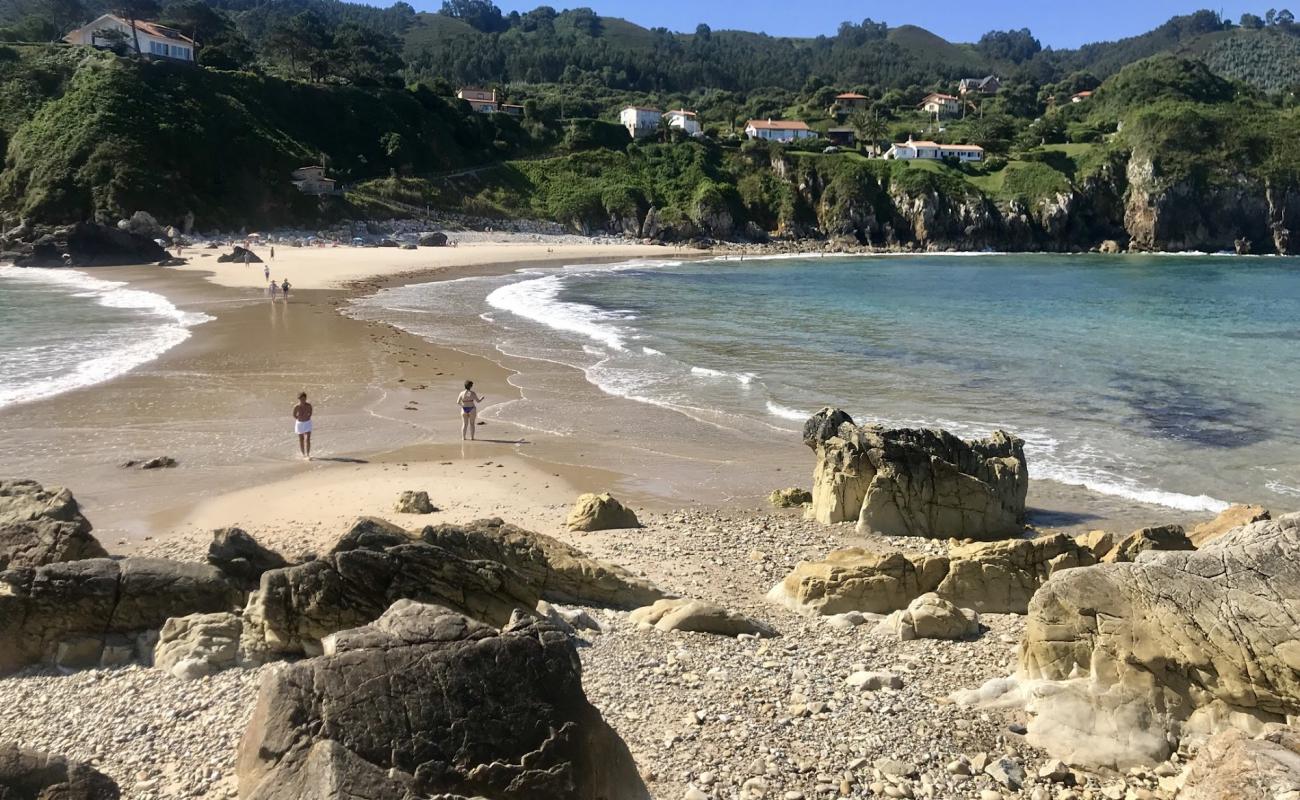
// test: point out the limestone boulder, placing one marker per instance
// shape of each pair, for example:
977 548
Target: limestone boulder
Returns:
88 606
412 502
198 645
911 482
1160 537
1099 543
1189 641
1001 577
241 558
685 614
1230 518
425 702
1235 765
600 512
790 498
27 774
930 617
557 572
855 579
42 526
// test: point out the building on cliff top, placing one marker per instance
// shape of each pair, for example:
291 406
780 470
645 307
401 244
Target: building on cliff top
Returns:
156 41
932 151
778 130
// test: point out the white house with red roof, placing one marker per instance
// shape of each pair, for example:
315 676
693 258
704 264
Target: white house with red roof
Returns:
157 41
932 151
640 121
1080 97
685 121
944 105
482 101
779 130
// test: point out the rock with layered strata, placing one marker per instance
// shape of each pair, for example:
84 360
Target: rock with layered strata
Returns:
1160 537
1001 577
911 482
600 512
699 616
241 558
1230 518
855 579
198 645
426 702
1182 640
558 572
1235 765
930 617
27 774
42 526
79 612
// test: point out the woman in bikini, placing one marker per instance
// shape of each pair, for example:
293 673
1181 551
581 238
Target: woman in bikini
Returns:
468 401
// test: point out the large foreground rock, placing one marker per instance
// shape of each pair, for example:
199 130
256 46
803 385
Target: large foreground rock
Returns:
241 557
425 701
930 617
32 775
907 482
988 577
42 526
75 611
1230 518
198 645
1178 642
485 570
92 245
1234 765
600 512
1159 537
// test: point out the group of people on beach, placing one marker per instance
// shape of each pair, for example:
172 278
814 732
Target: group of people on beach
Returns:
467 401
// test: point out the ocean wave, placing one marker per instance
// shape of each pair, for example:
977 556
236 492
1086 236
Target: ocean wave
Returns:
1277 487
95 359
778 410
538 300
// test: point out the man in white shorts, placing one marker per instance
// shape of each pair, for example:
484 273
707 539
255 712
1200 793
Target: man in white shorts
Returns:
302 425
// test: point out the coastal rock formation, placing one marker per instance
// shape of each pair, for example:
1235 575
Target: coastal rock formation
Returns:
1098 543
1160 537
486 570
1177 641
1001 577
930 617
1230 518
89 244
414 503
425 701
32 775
1234 765
434 239
988 577
241 558
790 498
599 512
854 579
239 255
907 482
198 645
556 571
684 614
83 612
42 526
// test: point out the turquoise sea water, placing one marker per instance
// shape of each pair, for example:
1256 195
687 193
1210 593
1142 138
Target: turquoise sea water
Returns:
63 329
1166 379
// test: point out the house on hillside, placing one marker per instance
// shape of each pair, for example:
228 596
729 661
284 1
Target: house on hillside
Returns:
849 102
931 151
1080 97
778 130
483 101
640 122
512 109
156 41
986 85
841 137
943 105
685 121
312 180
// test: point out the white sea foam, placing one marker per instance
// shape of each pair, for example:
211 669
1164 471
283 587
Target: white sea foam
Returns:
91 359
1281 488
784 412
539 300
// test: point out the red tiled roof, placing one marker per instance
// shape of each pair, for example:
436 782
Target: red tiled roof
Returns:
161 31
850 96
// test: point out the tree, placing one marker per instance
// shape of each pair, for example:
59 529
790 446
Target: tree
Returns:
64 15
870 128
223 46
1252 21
1014 46
1285 18
483 15
1269 16
363 55
703 32
132 10
302 39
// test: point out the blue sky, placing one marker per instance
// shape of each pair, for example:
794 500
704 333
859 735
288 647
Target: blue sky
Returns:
1055 23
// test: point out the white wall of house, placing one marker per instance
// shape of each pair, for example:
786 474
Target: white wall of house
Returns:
779 134
683 122
150 45
640 122
929 151
941 106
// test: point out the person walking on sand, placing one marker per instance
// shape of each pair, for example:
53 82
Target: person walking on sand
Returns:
274 291
468 401
284 287
272 252
302 424
266 271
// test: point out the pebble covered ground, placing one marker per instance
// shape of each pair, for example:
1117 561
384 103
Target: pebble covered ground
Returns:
706 717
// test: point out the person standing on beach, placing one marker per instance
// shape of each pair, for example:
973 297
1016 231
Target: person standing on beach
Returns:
266 271
468 401
246 255
285 288
302 424
274 291
272 252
